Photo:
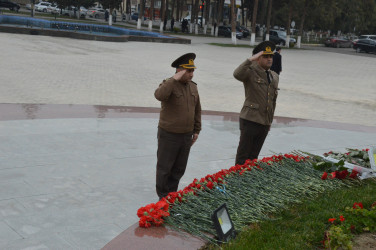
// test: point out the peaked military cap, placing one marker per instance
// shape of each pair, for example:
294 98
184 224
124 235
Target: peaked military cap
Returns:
186 61
267 46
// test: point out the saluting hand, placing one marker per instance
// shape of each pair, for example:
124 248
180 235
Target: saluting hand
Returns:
254 57
179 75
194 138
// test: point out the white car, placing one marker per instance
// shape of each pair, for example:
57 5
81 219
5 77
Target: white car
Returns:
83 11
53 9
42 6
96 13
188 18
71 11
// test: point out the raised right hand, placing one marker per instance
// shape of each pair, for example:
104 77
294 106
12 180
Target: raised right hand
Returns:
179 75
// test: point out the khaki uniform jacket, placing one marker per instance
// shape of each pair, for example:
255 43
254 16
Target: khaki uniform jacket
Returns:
260 96
180 106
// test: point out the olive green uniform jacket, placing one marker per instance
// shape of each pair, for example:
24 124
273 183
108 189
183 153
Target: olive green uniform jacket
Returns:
260 96
180 106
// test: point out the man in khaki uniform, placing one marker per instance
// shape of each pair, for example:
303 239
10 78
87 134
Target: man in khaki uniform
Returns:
261 91
179 124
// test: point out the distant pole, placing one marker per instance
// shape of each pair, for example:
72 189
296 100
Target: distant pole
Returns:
253 34
233 23
32 7
268 20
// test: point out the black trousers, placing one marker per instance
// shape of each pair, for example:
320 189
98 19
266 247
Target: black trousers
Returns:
252 137
172 154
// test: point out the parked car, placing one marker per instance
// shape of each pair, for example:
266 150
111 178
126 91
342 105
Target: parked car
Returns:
279 37
53 9
42 6
83 11
366 45
73 11
134 16
188 18
243 30
338 42
226 32
96 13
373 37
10 5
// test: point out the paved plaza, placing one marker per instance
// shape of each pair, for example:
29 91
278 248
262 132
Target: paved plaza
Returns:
78 123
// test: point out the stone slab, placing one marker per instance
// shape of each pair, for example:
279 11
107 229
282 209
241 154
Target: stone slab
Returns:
137 238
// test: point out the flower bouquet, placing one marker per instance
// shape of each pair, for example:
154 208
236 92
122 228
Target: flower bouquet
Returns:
251 191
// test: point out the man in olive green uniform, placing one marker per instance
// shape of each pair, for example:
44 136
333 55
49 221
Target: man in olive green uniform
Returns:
261 91
179 124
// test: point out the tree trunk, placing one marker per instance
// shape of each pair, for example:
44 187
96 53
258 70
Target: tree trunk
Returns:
128 8
221 4
288 26
178 3
302 24
110 16
261 16
141 14
152 10
242 3
173 10
181 9
167 11
162 14
192 18
32 12
253 35
206 15
150 27
233 23
197 10
270 4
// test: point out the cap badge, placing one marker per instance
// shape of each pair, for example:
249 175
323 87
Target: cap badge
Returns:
189 65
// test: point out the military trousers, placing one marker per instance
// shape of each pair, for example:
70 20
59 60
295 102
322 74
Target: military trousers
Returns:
252 137
172 154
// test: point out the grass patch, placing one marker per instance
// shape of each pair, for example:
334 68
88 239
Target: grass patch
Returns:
302 226
241 45
231 45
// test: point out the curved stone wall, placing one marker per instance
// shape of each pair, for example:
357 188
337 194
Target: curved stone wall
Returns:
35 26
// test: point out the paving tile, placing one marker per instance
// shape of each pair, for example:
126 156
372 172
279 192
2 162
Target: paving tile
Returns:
76 183
7 234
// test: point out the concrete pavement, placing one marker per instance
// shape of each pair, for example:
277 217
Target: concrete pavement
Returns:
77 159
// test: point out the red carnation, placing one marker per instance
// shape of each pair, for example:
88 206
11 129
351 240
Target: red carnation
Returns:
358 205
331 220
341 218
343 174
324 176
354 174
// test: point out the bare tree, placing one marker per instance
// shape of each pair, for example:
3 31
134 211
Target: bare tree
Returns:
150 27
141 14
242 3
304 13
270 4
206 15
290 10
253 35
196 14
233 22
162 14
